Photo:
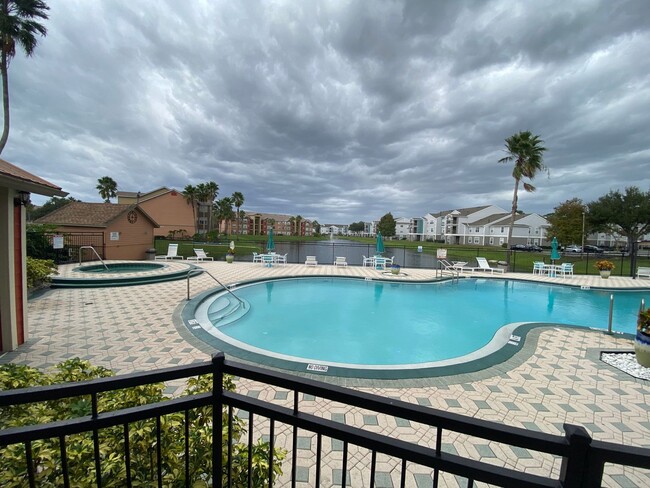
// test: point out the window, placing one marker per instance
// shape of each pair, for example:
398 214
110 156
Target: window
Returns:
502 229
478 229
491 231
491 240
476 240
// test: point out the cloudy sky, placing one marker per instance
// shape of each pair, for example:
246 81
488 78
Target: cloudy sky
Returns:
334 110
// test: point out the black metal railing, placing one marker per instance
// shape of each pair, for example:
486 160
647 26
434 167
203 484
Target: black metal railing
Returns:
582 458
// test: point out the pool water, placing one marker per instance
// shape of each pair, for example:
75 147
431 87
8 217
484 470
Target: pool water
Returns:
382 323
119 267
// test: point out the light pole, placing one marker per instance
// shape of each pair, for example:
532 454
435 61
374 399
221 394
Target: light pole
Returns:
583 231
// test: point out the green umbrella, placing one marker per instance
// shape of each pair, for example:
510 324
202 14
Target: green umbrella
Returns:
380 243
554 254
270 245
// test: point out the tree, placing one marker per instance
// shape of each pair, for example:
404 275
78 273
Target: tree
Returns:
190 195
566 221
386 225
316 226
107 188
206 193
51 205
224 211
628 214
18 25
525 149
238 200
357 226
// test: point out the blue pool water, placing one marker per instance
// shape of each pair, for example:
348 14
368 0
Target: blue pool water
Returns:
375 323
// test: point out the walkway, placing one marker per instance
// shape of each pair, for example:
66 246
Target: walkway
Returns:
557 377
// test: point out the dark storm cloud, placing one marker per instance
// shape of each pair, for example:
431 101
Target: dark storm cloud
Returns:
339 111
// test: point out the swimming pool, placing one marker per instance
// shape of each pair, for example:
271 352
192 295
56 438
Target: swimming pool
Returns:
126 267
384 325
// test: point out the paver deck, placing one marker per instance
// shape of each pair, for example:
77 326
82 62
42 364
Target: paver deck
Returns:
557 377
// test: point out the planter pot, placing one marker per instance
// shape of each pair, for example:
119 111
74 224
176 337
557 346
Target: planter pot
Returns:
395 270
604 273
229 258
642 349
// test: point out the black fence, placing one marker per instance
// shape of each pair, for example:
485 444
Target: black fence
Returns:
581 459
64 248
410 257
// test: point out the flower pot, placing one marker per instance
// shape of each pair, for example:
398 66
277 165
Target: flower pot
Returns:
395 270
642 349
604 273
230 258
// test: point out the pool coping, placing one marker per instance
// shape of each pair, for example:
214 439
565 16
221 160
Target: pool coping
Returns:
189 327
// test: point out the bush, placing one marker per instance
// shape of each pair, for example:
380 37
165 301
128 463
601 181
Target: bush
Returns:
142 436
39 271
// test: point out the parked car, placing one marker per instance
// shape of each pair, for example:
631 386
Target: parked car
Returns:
519 247
593 249
573 248
534 248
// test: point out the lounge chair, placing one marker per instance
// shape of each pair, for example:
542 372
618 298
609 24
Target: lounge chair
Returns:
340 261
200 256
484 266
643 271
454 266
172 253
311 261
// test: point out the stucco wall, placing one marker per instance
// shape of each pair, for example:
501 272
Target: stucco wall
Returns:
171 212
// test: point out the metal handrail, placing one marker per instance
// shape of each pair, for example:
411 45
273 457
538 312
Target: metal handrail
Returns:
96 254
189 274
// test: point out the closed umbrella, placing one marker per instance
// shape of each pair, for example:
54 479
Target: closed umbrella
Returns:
270 245
380 243
554 252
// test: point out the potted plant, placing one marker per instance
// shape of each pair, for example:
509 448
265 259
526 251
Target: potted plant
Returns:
605 267
642 341
395 268
230 255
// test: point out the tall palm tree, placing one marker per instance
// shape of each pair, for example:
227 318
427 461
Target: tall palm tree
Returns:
224 211
107 188
211 190
238 200
298 221
526 150
190 194
18 25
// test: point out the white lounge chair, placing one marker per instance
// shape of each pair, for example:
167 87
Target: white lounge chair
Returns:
484 266
643 271
340 261
311 261
172 253
200 256
454 266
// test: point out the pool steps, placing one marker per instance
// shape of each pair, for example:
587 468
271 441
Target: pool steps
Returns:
226 309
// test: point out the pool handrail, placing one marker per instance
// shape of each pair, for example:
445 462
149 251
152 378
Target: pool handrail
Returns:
189 273
96 254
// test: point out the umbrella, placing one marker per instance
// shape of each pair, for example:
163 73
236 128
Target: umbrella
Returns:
380 243
554 254
270 245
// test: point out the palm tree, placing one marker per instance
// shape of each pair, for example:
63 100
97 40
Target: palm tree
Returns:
525 149
17 26
224 211
238 200
107 188
211 190
190 194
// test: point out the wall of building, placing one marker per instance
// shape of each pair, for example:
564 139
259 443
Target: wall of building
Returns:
171 212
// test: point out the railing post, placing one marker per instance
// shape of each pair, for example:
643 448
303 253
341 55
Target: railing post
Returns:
217 420
574 471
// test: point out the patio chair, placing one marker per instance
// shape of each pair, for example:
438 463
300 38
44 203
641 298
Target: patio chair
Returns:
172 253
566 269
200 256
538 267
340 261
484 266
368 261
311 261
257 258
267 260
281 258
